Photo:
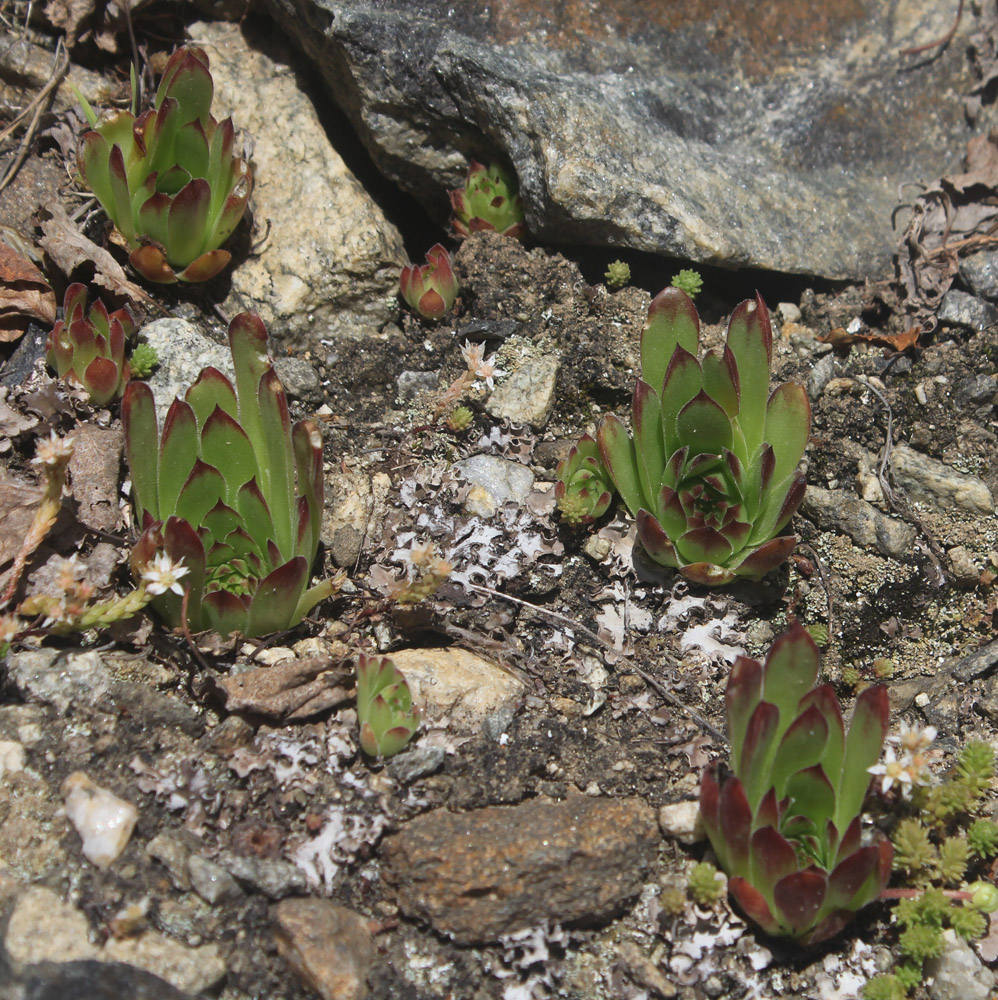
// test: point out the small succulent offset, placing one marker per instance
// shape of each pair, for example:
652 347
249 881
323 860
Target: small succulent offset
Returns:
785 820
231 490
89 347
584 489
689 281
168 179
431 288
710 472
388 719
618 274
489 200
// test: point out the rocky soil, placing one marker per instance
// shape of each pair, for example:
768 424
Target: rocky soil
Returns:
520 847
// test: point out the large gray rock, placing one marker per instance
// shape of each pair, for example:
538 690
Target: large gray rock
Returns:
743 135
330 258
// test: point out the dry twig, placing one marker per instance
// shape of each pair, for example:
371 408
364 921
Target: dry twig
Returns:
40 105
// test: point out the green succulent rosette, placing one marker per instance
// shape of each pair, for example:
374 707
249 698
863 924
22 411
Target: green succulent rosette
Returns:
169 179
709 469
489 201
233 491
785 820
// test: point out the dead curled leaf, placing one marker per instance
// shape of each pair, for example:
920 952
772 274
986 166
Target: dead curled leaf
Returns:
105 22
954 216
291 690
898 341
24 295
69 249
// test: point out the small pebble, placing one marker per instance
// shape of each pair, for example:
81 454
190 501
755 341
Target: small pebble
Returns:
11 757
212 882
682 821
103 821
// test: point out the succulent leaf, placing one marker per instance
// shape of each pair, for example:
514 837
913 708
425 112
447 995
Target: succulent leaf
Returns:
673 322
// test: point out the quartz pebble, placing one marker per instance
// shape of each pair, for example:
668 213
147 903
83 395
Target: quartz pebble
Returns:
103 821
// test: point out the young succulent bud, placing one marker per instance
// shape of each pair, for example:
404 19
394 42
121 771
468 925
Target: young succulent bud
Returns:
688 281
89 347
459 419
584 488
431 288
618 274
489 200
387 717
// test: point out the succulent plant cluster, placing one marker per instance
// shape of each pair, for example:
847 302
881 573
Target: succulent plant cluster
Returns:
430 289
169 179
388 719
583 491
89 347
489 200
785 820
710 470
232 492
938 848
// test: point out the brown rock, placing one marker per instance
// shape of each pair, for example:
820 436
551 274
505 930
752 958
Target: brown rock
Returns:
478 875
329 947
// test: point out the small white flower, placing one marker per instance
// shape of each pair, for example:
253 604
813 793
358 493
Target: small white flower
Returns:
480 366
163 574
912 739
891 770
53 450
9 627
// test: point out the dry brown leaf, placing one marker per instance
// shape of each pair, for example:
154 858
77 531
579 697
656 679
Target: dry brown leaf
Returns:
69 248
899 341
12 422
106 23
18 501
24 295
292 690
954 216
